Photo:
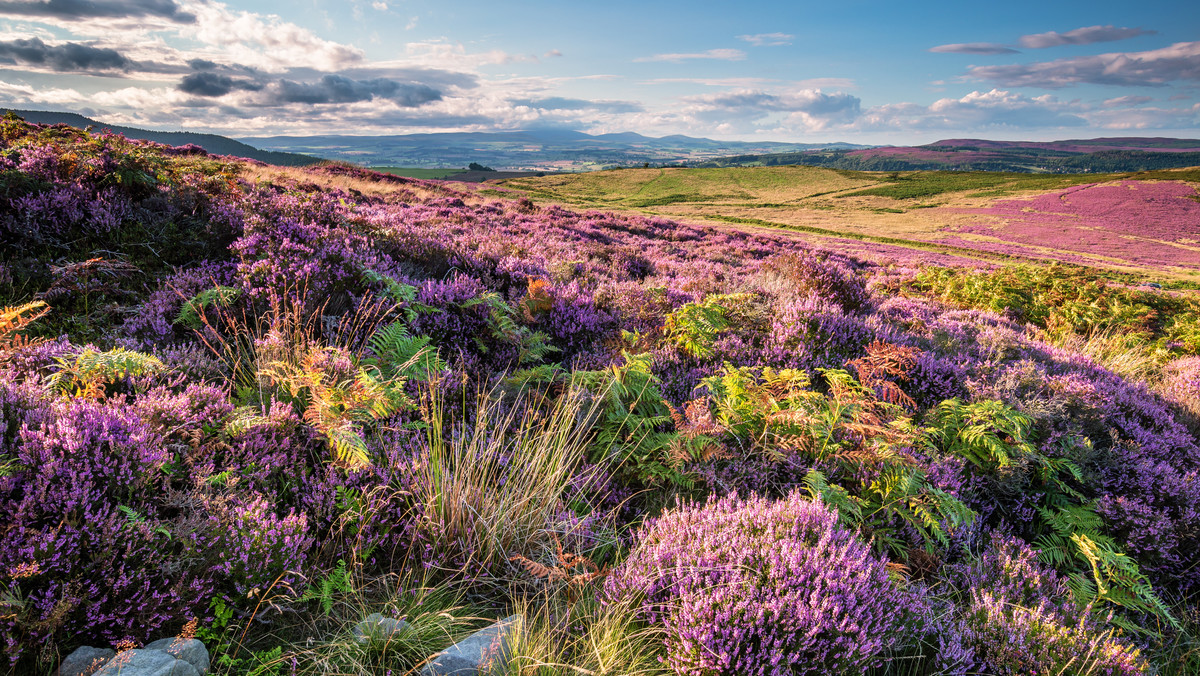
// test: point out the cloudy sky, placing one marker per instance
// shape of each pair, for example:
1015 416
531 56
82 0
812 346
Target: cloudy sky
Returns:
871 72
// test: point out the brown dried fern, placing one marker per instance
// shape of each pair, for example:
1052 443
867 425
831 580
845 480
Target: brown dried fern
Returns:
564 570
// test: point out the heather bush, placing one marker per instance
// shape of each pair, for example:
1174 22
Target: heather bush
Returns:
91 549
807 274
751 586
1020 619
812 333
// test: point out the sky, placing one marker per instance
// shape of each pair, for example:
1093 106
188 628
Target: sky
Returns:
794 71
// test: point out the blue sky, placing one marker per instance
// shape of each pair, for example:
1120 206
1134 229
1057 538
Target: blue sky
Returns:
870 72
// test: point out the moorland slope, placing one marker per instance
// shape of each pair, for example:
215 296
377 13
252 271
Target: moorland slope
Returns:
256 405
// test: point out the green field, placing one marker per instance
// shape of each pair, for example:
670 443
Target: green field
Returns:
416 172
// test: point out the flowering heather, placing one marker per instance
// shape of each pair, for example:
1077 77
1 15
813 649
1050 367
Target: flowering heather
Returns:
1018 621
1149 223
751 586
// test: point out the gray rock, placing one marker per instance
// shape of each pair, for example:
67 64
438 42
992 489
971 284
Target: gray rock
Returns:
146 663
189 650
377 628
85 661
479 653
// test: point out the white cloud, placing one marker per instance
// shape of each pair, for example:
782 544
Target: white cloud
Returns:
768 39
453 55
1180 61
974 48
715 54
1128 101
266 41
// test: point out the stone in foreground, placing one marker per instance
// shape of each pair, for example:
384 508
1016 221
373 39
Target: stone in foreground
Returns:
476 654
189 650
85 661
141 662
376 628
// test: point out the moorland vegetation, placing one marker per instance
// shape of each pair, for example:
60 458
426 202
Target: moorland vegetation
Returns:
260 405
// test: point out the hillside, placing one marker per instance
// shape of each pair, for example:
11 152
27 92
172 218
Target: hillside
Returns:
217 145
324 421
1144 227
1101 155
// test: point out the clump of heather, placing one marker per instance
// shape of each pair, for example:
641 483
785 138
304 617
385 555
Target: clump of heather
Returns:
808 274
1021 619
754 586
1181 385
811 333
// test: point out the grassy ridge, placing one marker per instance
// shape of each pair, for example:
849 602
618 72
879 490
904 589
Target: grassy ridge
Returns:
416 172
644 188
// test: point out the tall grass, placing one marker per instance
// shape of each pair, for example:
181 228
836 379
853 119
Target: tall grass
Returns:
494 482
588 637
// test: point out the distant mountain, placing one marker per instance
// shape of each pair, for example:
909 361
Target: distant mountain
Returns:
1071 156
529 150
217 145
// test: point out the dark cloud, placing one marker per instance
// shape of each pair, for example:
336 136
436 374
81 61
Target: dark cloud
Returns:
65 57
974 48
1081 36
202 64
97 9
214 84
341 89
1179 62
434 77
560 103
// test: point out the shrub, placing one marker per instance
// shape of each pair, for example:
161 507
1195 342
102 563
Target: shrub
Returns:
751 586
813 333
809 274
1020 619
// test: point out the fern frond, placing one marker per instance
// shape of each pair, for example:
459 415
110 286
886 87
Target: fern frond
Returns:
91 372
218 296
13 319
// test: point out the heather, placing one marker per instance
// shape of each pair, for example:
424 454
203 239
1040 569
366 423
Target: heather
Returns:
1144 222
269 404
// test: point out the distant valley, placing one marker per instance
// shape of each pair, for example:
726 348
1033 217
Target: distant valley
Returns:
534 150
552 151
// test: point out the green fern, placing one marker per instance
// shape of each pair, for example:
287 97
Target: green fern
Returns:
694 327
244 419
400 354
543 373
1118 579
989 434
218 296
634 419
337 582
849 507
503 327
90 372
403 294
